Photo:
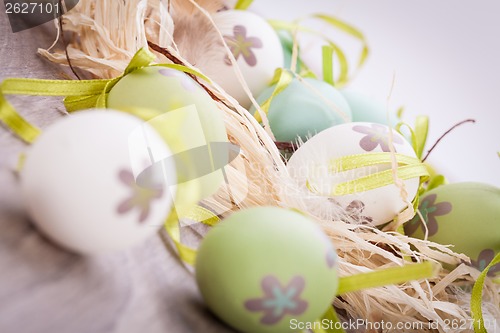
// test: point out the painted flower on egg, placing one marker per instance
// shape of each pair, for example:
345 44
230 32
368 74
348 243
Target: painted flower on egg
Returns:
376 135
483 260
140 198
354 210
278 300
242 45
429 210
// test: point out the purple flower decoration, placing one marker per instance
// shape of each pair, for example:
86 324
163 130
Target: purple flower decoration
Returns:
483 260
140 198
278 301
376 134
186 82
429 210
242 45
354 210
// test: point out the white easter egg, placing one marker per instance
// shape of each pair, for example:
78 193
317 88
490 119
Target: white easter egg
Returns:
79 182
310 167
257 50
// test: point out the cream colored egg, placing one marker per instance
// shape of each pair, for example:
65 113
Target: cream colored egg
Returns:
257 50
310 167
79 181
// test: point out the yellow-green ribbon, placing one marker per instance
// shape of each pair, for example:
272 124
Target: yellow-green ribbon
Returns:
408 168
384 277
418 134
16 123
243 4
380 278
192 212
282 78
84 94
328 64
338 24
185 203
477 296
79 94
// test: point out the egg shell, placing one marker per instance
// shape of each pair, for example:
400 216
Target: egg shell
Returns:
78 182
466 215
368 109
304 108
260 251
171 91
257 50
310 165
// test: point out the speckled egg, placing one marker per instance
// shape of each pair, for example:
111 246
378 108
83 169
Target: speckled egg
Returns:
311 167
79 182
168 90
365 108
262 267
466 215
256 48
305 108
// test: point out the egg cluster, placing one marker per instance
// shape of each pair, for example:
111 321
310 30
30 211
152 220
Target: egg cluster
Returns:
106 179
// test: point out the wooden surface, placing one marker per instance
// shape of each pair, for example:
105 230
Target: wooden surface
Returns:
46 289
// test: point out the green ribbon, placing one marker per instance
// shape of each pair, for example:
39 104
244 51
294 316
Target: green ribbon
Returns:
380 278
282 78
408 167
328 64
243 4
477 296
16 123
419 136
343 77
79 94
84 94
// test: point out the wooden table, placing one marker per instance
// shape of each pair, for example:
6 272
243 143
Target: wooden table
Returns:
46 289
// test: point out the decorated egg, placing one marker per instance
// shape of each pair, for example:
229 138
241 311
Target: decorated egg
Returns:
199 120
368 109
466 215
317 172
256 48
304 108
262 267
79 182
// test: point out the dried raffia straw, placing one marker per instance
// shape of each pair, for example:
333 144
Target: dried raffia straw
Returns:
106 35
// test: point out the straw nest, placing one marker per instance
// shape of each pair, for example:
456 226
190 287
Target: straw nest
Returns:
102 36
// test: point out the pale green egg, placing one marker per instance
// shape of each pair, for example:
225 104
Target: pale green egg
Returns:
365 108
466 215
263 267
187 108
304 108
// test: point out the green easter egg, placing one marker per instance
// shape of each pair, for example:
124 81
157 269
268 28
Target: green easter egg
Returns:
304 109
263 267
466 215
197 118
367 109
287 44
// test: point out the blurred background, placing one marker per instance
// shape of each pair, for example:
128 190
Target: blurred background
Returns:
444 56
